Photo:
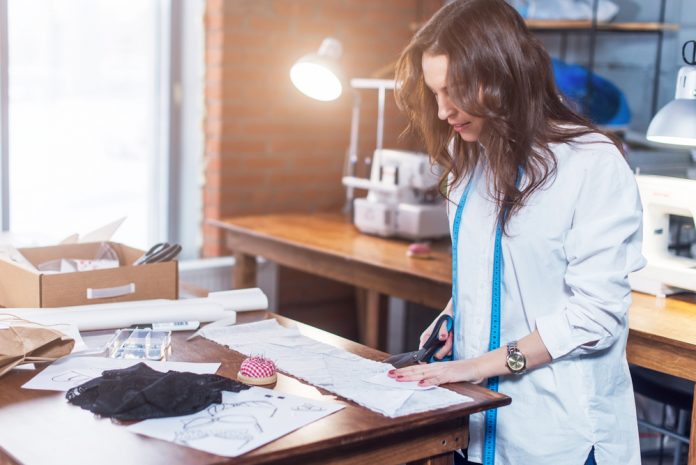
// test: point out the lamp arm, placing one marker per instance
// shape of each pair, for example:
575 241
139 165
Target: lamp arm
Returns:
352 152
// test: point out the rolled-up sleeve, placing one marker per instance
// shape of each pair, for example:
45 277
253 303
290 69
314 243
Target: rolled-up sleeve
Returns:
602 247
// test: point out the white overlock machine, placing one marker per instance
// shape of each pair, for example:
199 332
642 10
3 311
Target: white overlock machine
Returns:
403 198
666 199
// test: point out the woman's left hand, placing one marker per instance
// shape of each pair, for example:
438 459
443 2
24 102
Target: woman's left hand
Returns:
436 373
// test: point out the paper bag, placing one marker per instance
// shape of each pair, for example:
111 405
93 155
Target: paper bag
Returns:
22 341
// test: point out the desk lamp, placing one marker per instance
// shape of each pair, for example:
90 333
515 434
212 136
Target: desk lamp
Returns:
675 123
318 75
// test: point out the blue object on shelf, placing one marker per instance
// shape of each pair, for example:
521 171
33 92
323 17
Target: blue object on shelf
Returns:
522 7
607 105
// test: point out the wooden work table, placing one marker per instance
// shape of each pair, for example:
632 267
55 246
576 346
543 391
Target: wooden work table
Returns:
41 428
662 332
328 245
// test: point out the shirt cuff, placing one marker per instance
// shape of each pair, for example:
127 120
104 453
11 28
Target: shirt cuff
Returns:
555 334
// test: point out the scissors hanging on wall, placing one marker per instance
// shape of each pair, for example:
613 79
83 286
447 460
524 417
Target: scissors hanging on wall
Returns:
161 252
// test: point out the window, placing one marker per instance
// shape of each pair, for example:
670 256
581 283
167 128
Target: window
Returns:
88 115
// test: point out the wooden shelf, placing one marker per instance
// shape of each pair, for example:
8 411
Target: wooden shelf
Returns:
586 24
580 25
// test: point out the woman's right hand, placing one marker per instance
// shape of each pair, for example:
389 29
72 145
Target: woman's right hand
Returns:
444 335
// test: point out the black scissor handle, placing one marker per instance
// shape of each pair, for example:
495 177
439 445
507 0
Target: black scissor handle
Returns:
167 254
160 252
433 344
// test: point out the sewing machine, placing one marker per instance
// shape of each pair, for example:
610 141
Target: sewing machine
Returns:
402 199
665 272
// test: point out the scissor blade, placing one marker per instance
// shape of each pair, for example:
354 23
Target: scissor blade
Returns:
405 359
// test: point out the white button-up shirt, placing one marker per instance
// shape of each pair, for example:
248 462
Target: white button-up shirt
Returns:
566 259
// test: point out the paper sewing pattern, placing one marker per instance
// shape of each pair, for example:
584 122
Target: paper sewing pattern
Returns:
382 379
331 368
69 372
74 376
242 422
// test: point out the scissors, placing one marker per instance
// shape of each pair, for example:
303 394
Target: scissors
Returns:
427 353
161 252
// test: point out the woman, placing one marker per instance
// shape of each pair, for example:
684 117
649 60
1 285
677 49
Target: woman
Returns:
546 226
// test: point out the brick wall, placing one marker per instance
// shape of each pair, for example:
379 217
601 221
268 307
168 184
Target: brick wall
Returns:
268 147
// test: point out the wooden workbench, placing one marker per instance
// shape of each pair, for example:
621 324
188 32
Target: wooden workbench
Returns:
662 332
328 245
41 428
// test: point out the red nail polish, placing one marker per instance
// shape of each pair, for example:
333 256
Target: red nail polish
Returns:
399 377
391 372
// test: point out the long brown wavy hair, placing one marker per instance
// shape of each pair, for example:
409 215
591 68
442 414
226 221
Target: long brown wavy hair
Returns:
500 72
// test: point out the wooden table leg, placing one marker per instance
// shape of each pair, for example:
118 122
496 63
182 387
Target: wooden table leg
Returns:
244 273
367 302
692 438
444 459
372 319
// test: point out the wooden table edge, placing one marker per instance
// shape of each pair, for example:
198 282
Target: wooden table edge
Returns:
242 231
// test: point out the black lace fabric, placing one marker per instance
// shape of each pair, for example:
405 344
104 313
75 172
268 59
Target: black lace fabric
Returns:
139 393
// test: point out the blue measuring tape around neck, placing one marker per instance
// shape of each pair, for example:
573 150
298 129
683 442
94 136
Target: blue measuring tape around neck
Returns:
496 305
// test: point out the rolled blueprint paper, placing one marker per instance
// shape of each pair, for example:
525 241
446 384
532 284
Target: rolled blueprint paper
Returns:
217 306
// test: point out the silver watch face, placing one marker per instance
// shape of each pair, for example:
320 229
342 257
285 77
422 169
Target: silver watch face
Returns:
516 361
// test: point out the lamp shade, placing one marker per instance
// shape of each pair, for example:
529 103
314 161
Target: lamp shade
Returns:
675 123
318 75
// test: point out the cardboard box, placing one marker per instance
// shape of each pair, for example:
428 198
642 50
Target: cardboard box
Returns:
21 287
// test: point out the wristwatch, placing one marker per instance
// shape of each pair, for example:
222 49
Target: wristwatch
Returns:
515 360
